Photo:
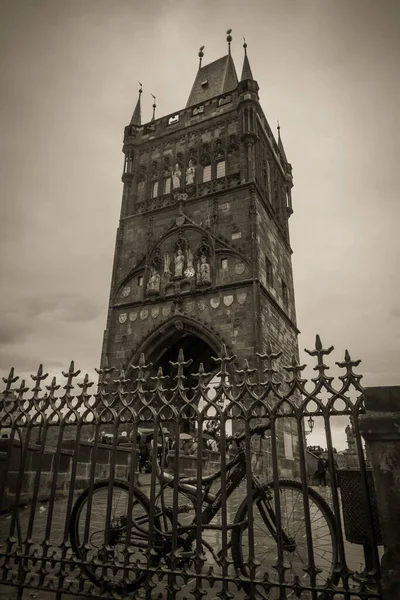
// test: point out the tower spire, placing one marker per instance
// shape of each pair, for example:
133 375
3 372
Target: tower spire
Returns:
229 39
201 54
246 71
137 113
154 108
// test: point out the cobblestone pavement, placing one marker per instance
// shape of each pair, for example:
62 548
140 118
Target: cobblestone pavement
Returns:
59 529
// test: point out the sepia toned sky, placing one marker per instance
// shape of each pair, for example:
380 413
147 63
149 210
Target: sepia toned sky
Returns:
327 69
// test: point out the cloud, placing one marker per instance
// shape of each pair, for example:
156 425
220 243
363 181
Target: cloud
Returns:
395 312
68 95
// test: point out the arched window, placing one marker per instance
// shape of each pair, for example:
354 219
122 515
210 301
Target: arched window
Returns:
154 189
220 168
167 185
206 173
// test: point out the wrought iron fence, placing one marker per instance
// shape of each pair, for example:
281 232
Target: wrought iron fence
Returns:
148 488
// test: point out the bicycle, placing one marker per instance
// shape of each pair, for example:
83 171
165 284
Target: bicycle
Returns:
111 540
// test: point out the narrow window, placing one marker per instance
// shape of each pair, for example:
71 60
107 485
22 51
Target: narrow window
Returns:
167 185
224 263
140 281
220 168
268 271
285 295
141 185
154 189
173 120
206 173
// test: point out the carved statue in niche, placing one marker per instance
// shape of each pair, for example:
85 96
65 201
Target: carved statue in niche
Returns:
167 270
179 263
190 173
189 271
203 271
176 177
153 285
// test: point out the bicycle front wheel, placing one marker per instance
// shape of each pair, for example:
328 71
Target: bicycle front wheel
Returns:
295 539
113 555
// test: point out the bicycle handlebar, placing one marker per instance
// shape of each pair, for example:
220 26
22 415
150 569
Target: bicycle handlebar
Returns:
257 430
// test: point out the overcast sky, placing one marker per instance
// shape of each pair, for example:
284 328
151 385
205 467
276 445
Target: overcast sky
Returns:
327 69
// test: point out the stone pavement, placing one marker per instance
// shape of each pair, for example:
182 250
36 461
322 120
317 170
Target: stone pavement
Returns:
354 552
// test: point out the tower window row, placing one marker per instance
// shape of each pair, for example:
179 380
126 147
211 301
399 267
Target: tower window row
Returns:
203 174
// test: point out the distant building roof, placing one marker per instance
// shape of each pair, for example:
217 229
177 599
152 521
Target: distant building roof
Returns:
214 79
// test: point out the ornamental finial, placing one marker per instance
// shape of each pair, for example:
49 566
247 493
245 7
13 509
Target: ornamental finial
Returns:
229 39
201 54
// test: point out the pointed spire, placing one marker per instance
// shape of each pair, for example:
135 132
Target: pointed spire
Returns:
280 144
154 108
201 54
246 71
137 113
229 39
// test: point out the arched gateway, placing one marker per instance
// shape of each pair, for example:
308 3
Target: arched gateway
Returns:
203 255
162 347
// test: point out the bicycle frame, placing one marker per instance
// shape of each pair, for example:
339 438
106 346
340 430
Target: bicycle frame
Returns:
236 470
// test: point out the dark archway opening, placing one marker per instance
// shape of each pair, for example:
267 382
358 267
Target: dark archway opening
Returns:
166 350
193 347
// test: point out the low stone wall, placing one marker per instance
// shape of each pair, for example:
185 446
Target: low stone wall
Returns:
36 463
101 461
43 465
211 462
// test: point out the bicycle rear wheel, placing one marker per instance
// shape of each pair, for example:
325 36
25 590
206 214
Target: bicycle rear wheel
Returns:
113 557
293 525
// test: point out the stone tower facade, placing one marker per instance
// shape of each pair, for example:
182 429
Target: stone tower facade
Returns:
203 254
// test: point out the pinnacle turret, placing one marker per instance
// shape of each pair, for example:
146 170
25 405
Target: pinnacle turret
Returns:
246 71
137 113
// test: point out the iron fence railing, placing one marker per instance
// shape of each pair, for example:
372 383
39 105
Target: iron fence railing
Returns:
149 488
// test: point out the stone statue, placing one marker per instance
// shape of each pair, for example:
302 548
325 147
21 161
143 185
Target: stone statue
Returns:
176 177
189 271
190 173
153 285
179 262
203 271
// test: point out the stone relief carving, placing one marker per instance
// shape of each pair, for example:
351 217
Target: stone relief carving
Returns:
179 263
153 285
203 271
189 271
190 173
176 177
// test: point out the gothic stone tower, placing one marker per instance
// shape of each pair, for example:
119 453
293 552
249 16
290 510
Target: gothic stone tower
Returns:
202 253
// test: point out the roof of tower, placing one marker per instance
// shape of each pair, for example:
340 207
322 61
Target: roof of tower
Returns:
246 71
214 79
137 113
